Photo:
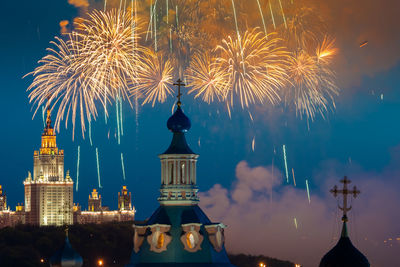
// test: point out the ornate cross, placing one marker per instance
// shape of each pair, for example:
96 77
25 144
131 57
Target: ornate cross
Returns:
345 191
179 84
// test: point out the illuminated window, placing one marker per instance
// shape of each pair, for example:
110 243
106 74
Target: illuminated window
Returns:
160 237
190 240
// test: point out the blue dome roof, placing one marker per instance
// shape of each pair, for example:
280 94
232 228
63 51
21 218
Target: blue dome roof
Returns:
178 122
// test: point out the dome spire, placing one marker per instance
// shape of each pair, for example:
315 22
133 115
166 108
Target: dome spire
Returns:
179 84
345 192
344 254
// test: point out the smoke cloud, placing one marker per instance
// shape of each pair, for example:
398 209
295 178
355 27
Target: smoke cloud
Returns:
260 213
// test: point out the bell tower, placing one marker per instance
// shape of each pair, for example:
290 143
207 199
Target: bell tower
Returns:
178 163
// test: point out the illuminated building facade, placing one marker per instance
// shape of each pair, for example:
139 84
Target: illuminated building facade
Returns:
97 213
3 200
48 194
94 203
124 199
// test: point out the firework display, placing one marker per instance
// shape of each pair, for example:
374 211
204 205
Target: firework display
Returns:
133 50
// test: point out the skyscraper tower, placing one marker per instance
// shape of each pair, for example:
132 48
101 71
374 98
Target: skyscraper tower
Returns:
179 233
48 194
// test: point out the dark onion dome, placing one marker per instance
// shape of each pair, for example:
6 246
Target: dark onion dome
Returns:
178 122
344 254
66 256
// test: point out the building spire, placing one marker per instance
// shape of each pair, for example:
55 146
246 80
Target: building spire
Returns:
345 192
179 83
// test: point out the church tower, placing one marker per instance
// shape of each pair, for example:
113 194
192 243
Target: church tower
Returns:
48 194
179 233
344 254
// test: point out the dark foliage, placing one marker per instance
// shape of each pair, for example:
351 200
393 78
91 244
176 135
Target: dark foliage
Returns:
26 245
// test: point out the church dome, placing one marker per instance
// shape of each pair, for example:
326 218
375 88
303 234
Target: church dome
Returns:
344 254
178 122
66 256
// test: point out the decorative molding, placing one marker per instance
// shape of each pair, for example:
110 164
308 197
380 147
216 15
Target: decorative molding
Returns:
138 238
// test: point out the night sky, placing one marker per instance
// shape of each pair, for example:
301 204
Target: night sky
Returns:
359 139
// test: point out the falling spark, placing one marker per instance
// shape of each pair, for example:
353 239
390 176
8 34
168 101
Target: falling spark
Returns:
251 116
123 166
381 96
118 129
262 18
77 169
98 167
253 143
272 14
295 222
44 121
283 14
294 179
285 160
363 43
120 115
198 142
308 192
167 9
90 133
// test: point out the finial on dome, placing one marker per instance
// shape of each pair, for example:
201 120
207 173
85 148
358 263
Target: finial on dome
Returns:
345 191
179 84
179 122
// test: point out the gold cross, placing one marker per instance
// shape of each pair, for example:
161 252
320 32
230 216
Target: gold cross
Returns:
179 84
345 191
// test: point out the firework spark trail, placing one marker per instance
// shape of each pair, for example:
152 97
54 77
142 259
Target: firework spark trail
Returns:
121 121
283 14
118 128
206 79
59 81
77 169
238 34
272 14
90 133
295 222
167 9
294 179
308 192
312 88
44 121
98 167
264 62
87 69
286 167
155 78
253 143
262 18
123 166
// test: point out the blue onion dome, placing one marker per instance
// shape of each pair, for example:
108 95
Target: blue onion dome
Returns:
344 254
178 122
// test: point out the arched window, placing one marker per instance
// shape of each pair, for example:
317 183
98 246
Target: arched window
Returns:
171 171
